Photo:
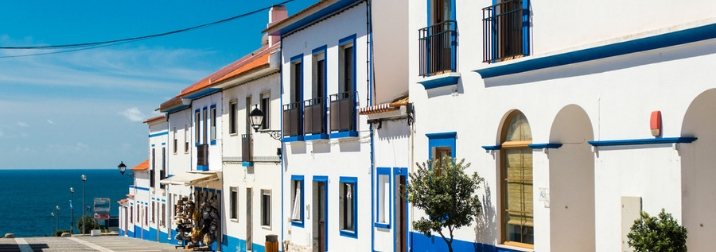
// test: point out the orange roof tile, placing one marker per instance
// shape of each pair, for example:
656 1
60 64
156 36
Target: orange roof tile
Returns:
247 63
143 166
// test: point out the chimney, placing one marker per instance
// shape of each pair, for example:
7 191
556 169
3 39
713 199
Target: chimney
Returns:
276 14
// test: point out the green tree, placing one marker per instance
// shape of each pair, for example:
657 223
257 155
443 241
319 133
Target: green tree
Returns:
91 224
447 195
657 234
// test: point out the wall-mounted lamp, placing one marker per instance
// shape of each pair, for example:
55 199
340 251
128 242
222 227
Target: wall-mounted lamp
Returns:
257 117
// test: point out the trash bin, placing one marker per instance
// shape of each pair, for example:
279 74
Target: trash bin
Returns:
271 243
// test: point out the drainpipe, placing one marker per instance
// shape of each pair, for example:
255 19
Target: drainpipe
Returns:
370 83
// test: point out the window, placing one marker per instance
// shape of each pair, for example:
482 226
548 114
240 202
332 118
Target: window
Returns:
441 144
383 198
234 204
296 79
346 70
506 32
174 142
293 110
164 161
297 200
516 174
131 214
347 209
197 130
265 107
205 127
154 209
232 117
213 124
266 208
164 213
186 139
319 72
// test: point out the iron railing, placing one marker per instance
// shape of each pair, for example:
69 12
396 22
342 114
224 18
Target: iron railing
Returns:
504 26
438 48
315 116
202 155
343 111
292 119
246 148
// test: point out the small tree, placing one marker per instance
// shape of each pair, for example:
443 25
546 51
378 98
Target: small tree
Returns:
91 224
447 195
657 234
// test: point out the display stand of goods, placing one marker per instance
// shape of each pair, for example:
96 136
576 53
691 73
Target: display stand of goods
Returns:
184 224
207 220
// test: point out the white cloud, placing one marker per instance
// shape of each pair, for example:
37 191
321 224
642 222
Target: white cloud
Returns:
22 124
50 122
133 114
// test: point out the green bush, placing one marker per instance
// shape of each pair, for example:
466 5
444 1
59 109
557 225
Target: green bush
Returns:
91 224
657 234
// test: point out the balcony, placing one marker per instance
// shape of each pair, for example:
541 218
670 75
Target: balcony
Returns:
202 157
438 48
315 118
292 122
343 114
505 31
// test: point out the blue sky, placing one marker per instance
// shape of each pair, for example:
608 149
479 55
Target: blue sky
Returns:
85 109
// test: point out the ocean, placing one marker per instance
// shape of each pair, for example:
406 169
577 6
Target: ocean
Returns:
29 196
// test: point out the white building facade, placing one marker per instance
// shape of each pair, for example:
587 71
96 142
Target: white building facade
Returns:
575 125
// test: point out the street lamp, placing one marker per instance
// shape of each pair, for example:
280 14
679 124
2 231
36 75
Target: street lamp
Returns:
122 167
84 179
72 210
257 117
57 224
53 216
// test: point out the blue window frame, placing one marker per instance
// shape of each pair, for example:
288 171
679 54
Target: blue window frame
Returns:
348 209
297 200
315 108
212 130
441 144
502 40
344 124
293 110
383 205
197 128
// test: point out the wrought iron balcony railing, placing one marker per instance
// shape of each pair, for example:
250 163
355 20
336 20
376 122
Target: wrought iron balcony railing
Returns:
315 116
505 31
438 48
292 119
343 111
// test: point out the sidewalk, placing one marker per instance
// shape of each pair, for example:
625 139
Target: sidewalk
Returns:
83 243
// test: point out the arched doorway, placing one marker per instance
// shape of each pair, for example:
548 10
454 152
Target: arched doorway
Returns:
698 172
571 182
516 179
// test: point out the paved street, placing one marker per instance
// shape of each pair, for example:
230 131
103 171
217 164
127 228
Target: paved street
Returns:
82 243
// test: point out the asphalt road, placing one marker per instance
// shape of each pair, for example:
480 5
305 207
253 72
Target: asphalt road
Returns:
83 243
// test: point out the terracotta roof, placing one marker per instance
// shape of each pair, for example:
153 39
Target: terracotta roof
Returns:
143 166
247 63
385 107
154 118
171 103
122 201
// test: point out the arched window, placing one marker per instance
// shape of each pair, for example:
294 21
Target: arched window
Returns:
516 175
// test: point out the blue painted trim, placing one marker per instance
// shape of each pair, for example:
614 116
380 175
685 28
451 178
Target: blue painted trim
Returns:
354 182
303 200
440 81
202 167
163 144
247 163
381 171
139 188
600 52
320 49
202 93
323 50
347 40
351 40
545 145
152 145
324 179
213 121
175 109
442 139
491 147
315 17
342 134
159 134
296 58
435 243
292 139
315 137
669 140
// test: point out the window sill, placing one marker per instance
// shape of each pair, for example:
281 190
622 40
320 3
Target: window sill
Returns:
315 137
213 142
382 225
266 227
344 134
233 134
442 80
235 220
297 224
349 234
293 139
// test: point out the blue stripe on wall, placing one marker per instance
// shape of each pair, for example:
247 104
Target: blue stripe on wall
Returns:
421 243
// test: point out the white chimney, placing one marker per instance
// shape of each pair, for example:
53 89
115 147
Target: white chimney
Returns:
276 14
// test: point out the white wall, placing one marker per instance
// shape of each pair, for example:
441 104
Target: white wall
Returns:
215 151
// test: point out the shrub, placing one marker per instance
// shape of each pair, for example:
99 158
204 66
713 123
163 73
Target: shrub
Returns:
657 234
